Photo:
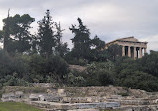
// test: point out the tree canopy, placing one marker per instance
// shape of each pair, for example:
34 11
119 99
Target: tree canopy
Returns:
19 36
46 35
81 40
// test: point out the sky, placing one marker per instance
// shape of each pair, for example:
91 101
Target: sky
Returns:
109 19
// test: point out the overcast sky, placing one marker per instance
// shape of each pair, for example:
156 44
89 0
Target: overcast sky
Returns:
109 19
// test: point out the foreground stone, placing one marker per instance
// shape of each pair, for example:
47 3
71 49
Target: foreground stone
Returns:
139 108
70 106
87 99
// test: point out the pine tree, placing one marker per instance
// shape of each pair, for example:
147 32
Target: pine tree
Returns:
81 40
6 34
46 35
61 48
16 33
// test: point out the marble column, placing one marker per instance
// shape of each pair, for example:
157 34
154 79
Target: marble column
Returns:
123 50
140 52
144 50
135 53
129 51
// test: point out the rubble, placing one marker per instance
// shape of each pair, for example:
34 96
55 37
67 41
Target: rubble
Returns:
86 98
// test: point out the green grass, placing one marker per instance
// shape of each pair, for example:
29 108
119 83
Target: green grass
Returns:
13 106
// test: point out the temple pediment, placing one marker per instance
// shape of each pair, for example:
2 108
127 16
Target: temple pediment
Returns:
129 39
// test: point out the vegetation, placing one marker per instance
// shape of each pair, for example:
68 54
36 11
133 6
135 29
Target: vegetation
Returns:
12 106
19 36
43 57
85 49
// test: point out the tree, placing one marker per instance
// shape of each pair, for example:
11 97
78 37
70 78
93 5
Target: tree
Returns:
97 43
34 45
98 52
17 32
61 48
114 51
5 34
81 41
149 63
46 35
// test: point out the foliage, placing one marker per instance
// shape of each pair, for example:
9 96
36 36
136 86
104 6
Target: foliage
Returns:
61 48
1 34
81 41
86 48
48 40
56 65
50 70
139 80
123 71
23 69
130 74
98 53
20 37
75 61
13 81
5 64
100 74
115 51
149 63
46 35
75 80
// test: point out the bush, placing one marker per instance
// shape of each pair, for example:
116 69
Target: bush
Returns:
23 68
105 77
56 65
47 70
138 80
13 81
100 74
73 80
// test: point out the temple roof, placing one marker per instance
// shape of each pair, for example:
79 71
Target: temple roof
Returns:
126 39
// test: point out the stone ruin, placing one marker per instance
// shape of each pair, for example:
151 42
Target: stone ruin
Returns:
88 99
131 47
17 96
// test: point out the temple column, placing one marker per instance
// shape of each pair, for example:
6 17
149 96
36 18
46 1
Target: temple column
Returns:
129 51
135 53
140 52
123 50
144 50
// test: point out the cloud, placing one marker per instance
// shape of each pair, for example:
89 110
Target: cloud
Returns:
109 19
152 42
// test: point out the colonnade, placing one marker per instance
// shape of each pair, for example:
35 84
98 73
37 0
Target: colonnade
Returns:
133 52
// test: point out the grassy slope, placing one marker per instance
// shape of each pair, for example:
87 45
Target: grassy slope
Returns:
12 106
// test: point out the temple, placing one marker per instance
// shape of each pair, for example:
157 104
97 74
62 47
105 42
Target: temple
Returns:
131 47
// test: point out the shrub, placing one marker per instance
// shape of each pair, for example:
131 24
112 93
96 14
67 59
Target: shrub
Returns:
73 80
100 74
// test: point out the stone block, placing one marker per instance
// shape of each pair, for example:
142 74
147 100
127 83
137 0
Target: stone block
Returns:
34 97
19 94
8 97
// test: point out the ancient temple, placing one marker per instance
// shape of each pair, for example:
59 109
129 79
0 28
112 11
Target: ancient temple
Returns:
131 47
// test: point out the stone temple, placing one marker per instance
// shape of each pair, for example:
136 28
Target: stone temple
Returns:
131 47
